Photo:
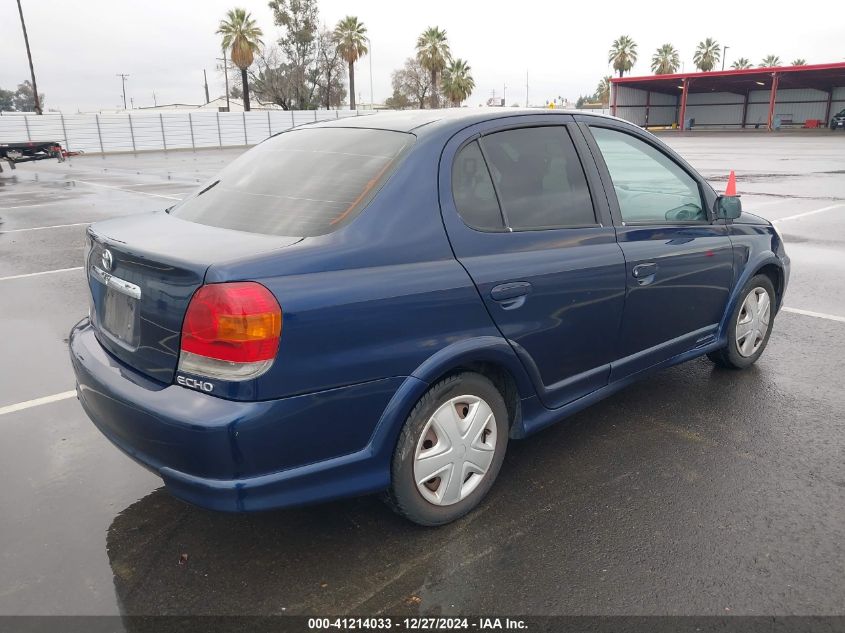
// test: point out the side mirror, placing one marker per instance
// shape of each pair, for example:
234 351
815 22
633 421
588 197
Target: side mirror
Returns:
728 207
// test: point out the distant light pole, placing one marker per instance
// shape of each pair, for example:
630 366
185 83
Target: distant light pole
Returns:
370 56
29 57
123 82
724 55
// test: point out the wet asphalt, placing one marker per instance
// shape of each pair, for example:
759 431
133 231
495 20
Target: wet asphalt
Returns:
698 491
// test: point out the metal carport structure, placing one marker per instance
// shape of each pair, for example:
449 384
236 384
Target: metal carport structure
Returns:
732 98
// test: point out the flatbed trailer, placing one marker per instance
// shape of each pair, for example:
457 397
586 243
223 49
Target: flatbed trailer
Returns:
27 151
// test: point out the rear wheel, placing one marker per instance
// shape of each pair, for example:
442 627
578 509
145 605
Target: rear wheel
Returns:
750 325
450 450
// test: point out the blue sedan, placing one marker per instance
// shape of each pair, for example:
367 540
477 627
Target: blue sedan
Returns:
380 304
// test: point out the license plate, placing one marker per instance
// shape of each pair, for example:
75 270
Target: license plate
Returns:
120 317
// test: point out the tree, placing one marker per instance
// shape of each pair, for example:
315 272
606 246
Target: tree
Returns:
800 62
458 83
397 101
603 90
330 69
742 63
769 61
241 34
351 36
271 80
623 54
412 81
665 60
7 100
707 55
297 57
433 54
23 100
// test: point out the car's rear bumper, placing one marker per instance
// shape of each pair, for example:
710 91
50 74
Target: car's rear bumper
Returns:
238 456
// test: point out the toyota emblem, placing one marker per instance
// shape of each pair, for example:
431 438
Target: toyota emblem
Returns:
107 260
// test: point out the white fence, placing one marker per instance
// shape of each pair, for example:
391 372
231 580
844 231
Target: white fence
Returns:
101 133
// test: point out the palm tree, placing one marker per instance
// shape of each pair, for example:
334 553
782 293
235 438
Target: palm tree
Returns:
433 53
666 60
244 38
769 61
603 90
350 35
458 83
623 54
742 63
800 62
707 55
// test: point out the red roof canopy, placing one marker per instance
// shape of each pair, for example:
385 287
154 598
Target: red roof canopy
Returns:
818 76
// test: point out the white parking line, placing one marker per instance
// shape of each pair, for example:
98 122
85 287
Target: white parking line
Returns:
39 204
43 272
20 406
817 315
143 193
42 228
806 213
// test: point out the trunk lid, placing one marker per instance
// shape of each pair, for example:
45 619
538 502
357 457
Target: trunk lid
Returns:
142 272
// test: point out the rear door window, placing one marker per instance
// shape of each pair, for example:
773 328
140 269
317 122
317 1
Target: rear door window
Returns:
539 178
473 190
300 183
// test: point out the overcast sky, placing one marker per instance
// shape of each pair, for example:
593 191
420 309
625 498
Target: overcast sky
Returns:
164 45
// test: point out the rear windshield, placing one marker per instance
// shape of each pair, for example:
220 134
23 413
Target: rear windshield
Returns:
301 183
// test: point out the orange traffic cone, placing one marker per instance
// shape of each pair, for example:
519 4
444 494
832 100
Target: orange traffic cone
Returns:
730 190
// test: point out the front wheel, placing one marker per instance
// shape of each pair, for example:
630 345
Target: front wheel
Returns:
750 325
450 450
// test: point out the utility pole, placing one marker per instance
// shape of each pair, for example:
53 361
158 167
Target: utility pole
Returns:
29 57
724 55
205 79
123 82
226 77
155 103
505 96
131 103
526 87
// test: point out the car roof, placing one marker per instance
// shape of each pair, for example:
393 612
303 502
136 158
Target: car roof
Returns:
417 120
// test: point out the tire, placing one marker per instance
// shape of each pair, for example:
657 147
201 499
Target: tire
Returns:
443 499
742 351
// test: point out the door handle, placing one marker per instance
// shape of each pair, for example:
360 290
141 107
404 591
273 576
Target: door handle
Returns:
503 292
511 295
644 273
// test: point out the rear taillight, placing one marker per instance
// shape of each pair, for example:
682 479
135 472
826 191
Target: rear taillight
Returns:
231 331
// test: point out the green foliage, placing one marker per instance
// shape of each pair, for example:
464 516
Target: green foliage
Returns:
241 35
665 60
433 54
21 100
350 36
707 54
603 91
623 54
743 63
769 61
799 62
398 101
458 83
7 100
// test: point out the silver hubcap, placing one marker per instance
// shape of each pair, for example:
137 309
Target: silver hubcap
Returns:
753 322
455 450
